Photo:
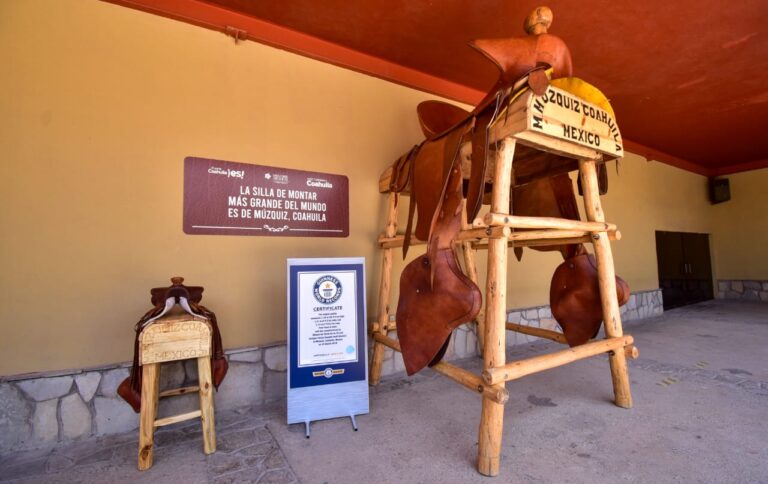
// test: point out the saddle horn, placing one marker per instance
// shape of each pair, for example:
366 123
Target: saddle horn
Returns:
517 56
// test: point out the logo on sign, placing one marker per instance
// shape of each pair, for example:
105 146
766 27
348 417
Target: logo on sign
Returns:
319 183
328 372
327 290
215 170
277 178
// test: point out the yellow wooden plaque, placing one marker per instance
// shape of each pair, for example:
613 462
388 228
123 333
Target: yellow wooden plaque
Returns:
565 116
174 339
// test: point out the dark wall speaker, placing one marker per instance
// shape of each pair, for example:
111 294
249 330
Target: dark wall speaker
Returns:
719 190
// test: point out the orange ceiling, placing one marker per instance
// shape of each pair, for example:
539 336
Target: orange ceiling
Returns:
688 79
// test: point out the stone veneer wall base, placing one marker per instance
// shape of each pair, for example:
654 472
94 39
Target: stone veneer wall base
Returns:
742 290
39 410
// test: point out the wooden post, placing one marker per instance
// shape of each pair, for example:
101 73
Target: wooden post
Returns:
631 351
538 332
377 356
607 279
150 381
492 416
528 366
527 222
471 266
162 422
455 373
206 404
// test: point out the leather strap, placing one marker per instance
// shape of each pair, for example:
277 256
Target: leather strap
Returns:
446 221
401 172
409 224
602 179
412 155
562 188
476 187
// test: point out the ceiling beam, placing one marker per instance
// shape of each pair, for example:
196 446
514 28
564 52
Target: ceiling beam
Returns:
748 166
672 160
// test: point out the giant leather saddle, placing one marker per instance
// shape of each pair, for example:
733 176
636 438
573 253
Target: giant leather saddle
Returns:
435 295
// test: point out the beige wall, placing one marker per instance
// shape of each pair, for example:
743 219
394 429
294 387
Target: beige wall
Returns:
645 197
100 104
741 228
642 197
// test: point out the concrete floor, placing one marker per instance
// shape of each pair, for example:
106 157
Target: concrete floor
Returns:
700 414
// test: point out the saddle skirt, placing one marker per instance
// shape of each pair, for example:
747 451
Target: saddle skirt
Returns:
435 298
435 295
574 296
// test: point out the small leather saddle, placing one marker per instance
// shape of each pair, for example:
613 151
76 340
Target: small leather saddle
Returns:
178 293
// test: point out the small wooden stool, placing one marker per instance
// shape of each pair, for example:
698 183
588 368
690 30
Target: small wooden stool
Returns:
172 338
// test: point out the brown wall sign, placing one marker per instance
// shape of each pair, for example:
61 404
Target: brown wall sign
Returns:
224 197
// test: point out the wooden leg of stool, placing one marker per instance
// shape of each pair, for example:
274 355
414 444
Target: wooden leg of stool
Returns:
150 381
494 349
377 356
607 278
492 416
207 418
470 264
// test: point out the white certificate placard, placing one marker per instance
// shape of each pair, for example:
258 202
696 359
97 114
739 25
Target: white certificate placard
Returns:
327 320
327 339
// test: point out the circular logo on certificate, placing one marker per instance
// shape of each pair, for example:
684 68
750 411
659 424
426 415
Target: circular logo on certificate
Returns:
328 372
327 289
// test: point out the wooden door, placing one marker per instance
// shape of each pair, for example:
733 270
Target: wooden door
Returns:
699 268
685 270
672 269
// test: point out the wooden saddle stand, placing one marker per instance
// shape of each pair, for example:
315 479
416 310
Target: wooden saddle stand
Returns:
513 151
